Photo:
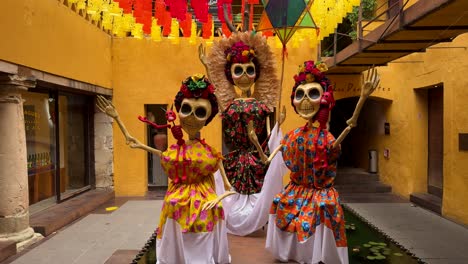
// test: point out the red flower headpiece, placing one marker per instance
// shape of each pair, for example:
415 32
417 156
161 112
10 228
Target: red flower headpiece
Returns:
311 72
197 86
240 52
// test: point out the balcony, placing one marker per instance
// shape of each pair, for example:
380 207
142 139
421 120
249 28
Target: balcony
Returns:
398 31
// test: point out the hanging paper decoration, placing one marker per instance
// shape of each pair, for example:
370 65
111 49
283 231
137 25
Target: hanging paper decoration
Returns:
115 10
160 9
178 8
137 31
200 9
207 28
93 6
193 36
167 24
107 20
155 30
126 5
186 25
142 13
81 5
174 35
118 28
220 5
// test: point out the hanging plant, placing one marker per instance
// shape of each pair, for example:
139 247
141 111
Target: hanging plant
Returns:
368 12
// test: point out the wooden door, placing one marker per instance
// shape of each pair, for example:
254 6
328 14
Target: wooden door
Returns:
435 140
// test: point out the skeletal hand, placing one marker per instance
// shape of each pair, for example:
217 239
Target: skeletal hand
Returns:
201 54
210 204
106 107
370 83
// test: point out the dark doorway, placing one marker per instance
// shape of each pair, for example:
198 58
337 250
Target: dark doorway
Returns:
157 138
435 109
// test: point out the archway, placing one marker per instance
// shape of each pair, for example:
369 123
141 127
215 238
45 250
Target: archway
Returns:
365 136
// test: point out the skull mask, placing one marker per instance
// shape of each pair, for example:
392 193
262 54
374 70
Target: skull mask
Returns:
307 99
243 75
193 114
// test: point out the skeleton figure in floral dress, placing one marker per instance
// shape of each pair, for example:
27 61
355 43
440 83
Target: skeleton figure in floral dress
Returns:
306 222
245 61
192 227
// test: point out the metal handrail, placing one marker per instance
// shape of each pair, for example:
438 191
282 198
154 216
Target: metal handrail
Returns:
385 12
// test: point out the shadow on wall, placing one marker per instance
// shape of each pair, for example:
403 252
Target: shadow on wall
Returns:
370 127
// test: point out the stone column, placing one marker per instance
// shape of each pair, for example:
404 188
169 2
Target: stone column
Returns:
14 200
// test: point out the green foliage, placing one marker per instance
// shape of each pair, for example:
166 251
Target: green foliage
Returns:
368 12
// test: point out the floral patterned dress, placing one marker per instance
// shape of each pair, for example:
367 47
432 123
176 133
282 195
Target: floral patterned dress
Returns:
184 201
310 198
243 166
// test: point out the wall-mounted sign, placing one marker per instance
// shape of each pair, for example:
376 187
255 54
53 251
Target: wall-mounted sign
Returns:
387 128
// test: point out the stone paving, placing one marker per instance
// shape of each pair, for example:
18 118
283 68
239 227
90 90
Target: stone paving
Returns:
94 238
430 237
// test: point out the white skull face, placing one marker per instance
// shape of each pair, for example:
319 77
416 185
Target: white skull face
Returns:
307 99
193 114
243 75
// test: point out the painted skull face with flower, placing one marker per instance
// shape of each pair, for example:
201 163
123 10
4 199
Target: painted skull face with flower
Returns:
309 89
242 68
196 103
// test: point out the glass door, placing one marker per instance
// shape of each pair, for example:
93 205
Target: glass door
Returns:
74 153
40 128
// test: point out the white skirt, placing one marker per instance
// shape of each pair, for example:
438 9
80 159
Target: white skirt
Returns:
319 247
176 247
246 214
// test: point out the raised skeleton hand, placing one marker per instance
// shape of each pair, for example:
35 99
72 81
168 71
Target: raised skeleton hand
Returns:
106 107
202 54
369 85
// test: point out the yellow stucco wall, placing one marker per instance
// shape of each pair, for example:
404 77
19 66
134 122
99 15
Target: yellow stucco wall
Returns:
147 72
406 169
49 36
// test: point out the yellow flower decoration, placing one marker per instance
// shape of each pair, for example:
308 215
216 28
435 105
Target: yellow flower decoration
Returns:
228 58
197 77
252 52
322 67
310 78
301 68
245 53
